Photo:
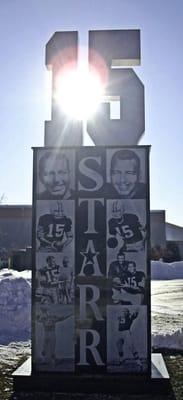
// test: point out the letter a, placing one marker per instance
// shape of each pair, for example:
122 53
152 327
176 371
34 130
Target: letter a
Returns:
90 257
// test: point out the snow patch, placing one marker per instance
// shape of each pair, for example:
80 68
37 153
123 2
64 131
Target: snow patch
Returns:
15 305
172 340
165 271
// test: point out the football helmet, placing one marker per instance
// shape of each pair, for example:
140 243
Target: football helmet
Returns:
124 313
50 261
57 209
117 209
132 267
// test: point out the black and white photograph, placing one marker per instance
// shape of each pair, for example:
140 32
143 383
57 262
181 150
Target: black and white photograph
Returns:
126 226
126 173
54 278
127 280
127 339
54 344
55 174
55 225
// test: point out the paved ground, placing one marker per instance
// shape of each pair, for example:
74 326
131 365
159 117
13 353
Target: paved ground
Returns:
61 396
174 365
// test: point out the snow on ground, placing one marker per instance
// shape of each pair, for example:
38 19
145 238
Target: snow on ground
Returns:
15 305
172 341
11 353
167 304
163 271
166 299
167 313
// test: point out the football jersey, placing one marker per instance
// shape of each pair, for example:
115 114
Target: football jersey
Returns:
128 227
126 322
48 322
49 276
53 229
135 279
119 271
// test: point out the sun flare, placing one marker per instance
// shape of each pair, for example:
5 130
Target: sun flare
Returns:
79 93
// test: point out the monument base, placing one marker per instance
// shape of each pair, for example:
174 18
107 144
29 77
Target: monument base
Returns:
25 381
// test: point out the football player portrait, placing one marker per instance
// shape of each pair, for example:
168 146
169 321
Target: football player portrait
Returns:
66 282
48 280
55 283
54 229
125 176
119 267
54 175
125 341
131 288
49 321
136 278
125 229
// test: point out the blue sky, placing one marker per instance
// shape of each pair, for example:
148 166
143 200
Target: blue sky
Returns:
26 27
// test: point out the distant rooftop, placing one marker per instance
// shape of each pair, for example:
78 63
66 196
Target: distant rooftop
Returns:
15 205
174 232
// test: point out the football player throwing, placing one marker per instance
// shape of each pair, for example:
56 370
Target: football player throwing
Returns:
125 341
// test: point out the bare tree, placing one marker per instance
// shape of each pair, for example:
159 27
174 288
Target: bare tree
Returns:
3 198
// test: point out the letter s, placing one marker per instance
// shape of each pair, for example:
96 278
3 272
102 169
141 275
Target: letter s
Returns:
92 174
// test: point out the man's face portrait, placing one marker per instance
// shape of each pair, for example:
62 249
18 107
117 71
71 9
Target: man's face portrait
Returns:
132 268
124 176
51 261
55 175
117 210
65 262
121 259
57 210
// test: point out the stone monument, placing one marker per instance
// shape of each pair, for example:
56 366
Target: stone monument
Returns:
91 234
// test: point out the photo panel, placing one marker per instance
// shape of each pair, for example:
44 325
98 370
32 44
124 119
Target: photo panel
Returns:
126 251
126 173
127 339
126 228
91 237
55 278
54 338
55 174
55 226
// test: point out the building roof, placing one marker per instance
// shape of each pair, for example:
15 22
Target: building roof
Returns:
15 211
174 232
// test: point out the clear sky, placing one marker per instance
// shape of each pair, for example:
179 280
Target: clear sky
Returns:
26 27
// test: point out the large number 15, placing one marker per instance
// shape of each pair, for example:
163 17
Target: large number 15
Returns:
118 49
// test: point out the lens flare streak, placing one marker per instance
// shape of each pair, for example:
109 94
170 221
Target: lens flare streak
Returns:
79 93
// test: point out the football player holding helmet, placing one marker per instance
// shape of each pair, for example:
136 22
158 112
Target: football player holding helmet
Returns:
54 231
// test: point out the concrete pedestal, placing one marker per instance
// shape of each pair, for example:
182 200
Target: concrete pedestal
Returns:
24 380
